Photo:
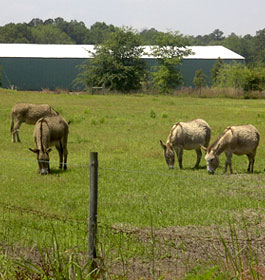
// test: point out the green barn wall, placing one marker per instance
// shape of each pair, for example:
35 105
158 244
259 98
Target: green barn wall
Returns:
39 73
59 73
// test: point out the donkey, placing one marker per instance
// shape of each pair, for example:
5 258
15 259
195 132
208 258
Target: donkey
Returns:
189 136
28 113
50 131
239 140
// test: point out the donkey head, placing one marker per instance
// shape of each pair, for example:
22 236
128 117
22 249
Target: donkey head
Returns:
169 154
212 160
43 160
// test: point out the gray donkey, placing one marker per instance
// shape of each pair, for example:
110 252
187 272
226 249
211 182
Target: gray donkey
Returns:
28 113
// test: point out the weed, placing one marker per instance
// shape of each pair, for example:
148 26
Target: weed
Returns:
153 114
164 115
55 264
210 273
241 257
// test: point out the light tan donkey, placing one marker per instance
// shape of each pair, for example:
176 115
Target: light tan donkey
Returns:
28 113
238 140
186 136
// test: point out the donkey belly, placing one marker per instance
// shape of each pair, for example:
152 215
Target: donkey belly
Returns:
191 146
32 119
55 143
244 151
192 142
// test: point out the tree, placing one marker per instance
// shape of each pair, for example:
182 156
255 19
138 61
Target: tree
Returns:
256 79
199 79
15 33
259 46
49 34
116 64
217 35
149 36
77 31
169 51
35 22
234 76
99 32
215 70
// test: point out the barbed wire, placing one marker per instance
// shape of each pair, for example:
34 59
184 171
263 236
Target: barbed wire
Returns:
206 177
118 229
115 229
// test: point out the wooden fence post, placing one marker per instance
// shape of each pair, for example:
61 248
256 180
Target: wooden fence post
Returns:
93 201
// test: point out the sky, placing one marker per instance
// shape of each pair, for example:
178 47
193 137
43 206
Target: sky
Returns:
189 17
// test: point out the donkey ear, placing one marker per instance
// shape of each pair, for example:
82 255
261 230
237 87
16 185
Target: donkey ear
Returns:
203 148
162 145
36 151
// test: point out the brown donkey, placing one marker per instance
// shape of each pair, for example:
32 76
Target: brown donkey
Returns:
50 131
28 113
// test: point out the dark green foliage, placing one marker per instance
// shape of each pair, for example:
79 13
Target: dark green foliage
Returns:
150 36
16 33
116 63
199 79
215 70
256 79
239 76
169 51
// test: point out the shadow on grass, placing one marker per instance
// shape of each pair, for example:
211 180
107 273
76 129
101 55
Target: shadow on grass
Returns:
57 171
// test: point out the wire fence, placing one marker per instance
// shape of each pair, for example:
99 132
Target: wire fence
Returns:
22 226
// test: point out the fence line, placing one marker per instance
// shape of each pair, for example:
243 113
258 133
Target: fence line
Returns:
115 229
140 171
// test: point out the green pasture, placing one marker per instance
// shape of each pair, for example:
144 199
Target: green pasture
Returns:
136 189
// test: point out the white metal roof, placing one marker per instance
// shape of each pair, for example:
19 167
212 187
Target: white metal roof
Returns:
82 51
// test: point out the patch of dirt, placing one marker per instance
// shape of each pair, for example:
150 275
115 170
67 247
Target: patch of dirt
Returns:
177 250
172 252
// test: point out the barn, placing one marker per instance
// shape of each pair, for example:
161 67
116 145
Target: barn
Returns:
39 67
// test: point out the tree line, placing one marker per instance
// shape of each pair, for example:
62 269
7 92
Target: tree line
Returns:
117 63
59 31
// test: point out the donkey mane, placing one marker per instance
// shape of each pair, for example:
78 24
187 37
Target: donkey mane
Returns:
219 137
171 132
42 120
41 144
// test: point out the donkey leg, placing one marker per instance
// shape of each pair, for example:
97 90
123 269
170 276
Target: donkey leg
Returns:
65 161
199 156
13 138
228 162
251 160
179 155
65 154
16 131
60 152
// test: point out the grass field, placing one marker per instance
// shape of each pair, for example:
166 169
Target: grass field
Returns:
136 190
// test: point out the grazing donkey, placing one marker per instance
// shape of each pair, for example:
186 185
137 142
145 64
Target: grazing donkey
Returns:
28 113
239 140
189 136
50 131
